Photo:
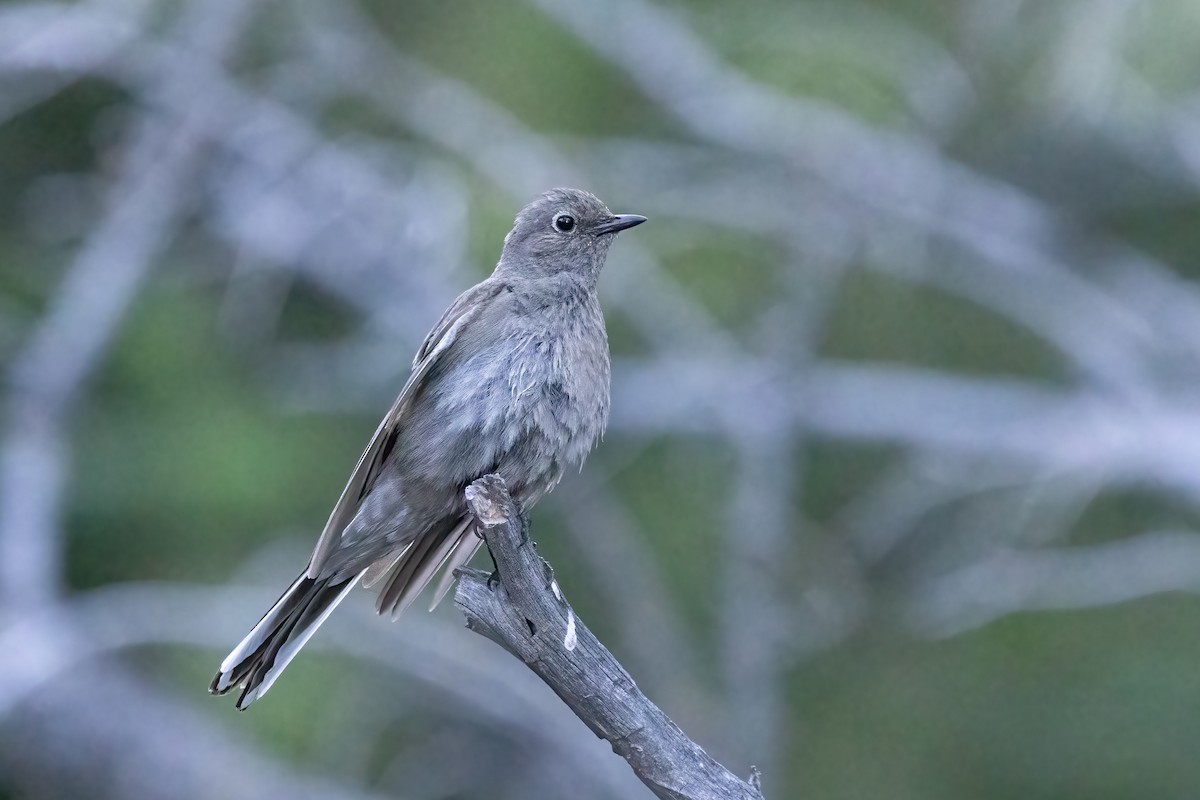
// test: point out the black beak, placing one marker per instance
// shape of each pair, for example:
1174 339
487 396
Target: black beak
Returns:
619 223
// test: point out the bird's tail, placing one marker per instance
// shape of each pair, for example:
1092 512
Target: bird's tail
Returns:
260 658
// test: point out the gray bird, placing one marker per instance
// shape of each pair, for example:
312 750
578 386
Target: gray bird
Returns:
513 379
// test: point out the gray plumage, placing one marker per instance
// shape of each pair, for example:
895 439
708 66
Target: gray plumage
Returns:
512 379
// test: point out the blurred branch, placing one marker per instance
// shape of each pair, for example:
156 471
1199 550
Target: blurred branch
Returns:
1005 421
47 375
80 737
754 617
71 720
58 41
527 615
64 350
470 680
1056 579
904 183
454 117
605 536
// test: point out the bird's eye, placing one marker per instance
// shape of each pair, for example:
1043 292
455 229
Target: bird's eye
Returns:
564 223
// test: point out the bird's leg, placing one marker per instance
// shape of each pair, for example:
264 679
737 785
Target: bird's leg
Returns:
493 579
523 517
524 527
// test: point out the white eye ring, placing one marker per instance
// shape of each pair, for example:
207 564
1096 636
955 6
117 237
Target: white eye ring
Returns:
564 223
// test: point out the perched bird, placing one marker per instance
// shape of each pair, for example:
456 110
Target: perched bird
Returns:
513 379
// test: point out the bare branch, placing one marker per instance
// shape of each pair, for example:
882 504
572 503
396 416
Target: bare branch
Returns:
527 615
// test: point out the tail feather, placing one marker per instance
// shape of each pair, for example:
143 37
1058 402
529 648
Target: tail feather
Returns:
413 572
260 633
466 548
270 646
399 577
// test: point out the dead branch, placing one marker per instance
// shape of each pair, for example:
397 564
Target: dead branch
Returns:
524 611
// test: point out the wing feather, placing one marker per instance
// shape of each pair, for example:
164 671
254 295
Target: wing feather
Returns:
467 307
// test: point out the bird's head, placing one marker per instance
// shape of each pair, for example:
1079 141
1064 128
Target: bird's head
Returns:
564 230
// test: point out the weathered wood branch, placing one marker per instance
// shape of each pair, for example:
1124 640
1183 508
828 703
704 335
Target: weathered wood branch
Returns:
525 612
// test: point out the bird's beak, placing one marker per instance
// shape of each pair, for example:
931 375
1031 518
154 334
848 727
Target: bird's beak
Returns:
619 223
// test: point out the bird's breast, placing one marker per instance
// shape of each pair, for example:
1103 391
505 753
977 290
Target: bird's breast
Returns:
559 386
531 402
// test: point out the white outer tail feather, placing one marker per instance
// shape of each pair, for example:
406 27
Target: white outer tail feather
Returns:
289 650
265 627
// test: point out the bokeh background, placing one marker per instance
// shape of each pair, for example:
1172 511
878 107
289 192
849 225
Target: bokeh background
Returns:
901 494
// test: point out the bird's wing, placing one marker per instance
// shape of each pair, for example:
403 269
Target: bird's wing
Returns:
467 307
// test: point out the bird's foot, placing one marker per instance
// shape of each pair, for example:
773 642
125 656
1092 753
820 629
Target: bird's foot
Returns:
494 579
523 519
